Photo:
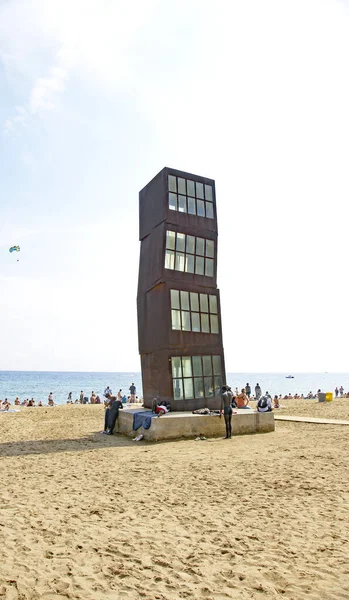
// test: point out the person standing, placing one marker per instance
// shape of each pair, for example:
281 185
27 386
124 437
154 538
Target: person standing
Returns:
81 397
50 399
112 411
248 390
336 392
107 391
133 392
70 396
258 391
227 410
341 391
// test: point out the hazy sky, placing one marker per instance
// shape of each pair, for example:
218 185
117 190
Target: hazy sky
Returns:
97 96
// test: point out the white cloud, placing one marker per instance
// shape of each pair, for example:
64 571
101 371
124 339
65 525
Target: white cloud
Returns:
87 36
45 89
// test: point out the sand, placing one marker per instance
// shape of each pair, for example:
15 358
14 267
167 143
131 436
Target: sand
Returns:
88 516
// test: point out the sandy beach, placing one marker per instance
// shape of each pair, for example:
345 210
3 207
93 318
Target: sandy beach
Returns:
88 516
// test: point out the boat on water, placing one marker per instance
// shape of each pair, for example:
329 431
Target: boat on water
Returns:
289 376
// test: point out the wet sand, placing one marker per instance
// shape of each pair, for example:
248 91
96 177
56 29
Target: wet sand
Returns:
88 516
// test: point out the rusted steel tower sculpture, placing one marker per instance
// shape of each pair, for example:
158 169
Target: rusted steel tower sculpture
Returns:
179 317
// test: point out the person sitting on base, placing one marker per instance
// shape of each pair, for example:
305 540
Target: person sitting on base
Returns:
264 403
226 408
242 400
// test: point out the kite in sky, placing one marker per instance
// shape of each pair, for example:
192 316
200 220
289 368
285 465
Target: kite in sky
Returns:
14 249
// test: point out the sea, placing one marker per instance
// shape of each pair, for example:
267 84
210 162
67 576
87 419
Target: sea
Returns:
38 384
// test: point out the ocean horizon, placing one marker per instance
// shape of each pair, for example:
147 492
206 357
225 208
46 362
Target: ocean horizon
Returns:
38 384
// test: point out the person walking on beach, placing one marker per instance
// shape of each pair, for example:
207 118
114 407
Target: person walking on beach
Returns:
227 410
50 399
257 391
248 390
341 391
81 397
336 392
70 396
133 392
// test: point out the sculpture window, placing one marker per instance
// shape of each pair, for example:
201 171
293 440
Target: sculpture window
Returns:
196 376
189 254
192 197
191 311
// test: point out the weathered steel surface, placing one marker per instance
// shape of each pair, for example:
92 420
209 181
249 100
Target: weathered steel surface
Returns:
157 341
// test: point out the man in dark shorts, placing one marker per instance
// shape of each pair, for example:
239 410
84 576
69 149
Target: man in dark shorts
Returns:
133 392
226 408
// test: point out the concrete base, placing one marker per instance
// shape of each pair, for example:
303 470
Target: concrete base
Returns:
186 425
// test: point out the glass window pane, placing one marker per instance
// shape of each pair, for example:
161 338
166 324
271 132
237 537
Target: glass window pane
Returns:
205 326
195 321
182 204
176 366
190 188
172 201
186 365
178 389
208 192
172 185
213 304
180 261
194 301
200 246
209 210
176 319
197 366
199 387
209 267
200 208
191 244
214 324
185 301
188 388
206 360
209 390
191 206
217 385
175 299
185 320
181 186
217 365
169 259
170 240
210 248
203 303
199 265
189 263
180 244
199 190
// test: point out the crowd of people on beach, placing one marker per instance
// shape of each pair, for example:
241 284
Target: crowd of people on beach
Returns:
6 404
240 399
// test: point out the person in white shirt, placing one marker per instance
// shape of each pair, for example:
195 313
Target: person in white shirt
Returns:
264 403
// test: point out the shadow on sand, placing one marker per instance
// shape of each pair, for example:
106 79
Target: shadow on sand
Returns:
94 441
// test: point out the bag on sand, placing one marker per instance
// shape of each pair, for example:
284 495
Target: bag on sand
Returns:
262 402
